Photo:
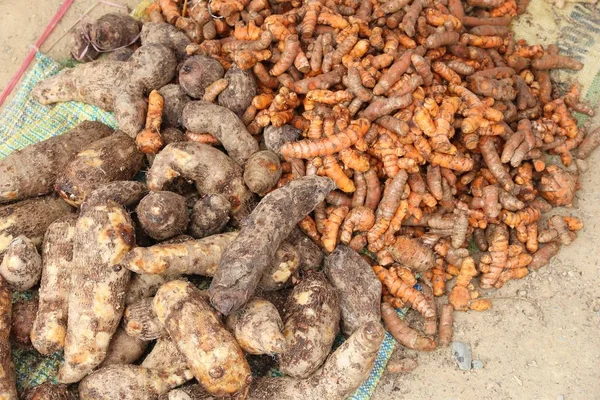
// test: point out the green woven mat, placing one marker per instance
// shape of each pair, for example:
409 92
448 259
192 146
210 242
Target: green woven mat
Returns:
23 122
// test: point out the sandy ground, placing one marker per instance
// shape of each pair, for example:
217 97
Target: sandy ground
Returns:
539 341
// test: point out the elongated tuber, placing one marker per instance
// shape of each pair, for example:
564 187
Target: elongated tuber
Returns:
33 170
403 333
118 85
112 158
252 252
257 328
98 286
211 170
200 116
218 364
312 315
29 218
358 287
8 388
353 360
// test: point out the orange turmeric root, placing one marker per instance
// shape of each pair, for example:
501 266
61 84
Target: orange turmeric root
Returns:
308 226
498 250
214 89
359 219
445 329
409 295
170 10
386 210
328 145
332 169
149 140
460 295
403 333
332 227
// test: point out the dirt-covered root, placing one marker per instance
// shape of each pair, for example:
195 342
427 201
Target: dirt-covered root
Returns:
257 328
219 363
262 172
129 382
188 392
104 233
124 349
222 123
22 264
8 388
285 265
167 35
197 257
163 214
125 193
47 391
240 91
32 171
343 372
197 73
245 261
30 218
113 158
276 137
50 326
142 286
312 316
23 317
209 215
212 171
140 321
175 99
118 86
311 256
358 287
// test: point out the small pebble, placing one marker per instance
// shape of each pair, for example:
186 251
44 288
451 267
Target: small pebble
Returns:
522 293
462 355
560 397
477 364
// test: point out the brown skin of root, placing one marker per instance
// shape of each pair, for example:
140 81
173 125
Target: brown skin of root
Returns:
403 333
188 317
163 214
200 116
115 157
23 317
445 325
262 171
24 174
314 303
47 391
237 277
49 329
348 272
401 366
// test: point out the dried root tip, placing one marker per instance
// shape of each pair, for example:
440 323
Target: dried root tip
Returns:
401 366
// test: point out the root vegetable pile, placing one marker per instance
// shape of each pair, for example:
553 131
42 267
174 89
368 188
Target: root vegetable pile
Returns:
417 144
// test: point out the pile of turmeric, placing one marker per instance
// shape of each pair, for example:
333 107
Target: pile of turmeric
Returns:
435 124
